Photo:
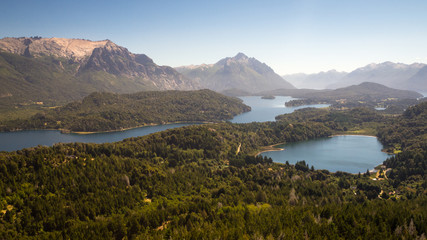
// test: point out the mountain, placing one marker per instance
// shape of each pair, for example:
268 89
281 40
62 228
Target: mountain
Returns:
56 70
394 75
314 81
239 72
363 92
367 94
418 81
366 90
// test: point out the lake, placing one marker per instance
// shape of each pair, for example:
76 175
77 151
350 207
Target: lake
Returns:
349 153
10 141
262 110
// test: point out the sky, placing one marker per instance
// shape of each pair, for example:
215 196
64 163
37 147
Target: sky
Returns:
289 36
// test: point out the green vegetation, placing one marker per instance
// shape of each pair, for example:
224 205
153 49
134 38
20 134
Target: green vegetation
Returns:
268 97
19 112
109 111
193 183
46 79
354 121
363 95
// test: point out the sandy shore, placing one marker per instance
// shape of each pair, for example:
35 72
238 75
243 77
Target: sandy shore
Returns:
129 128
352 134
270 148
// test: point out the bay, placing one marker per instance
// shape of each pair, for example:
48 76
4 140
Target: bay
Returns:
349 153
265 110
262 110
10 141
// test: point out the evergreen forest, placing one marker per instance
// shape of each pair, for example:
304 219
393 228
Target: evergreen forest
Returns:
207 182
110 111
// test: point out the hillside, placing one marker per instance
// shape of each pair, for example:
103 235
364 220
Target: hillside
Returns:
55 70
239 72
365 94
193 183
366 90
109 111
418 81
362 91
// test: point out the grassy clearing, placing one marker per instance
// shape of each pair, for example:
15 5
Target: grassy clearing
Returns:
20 112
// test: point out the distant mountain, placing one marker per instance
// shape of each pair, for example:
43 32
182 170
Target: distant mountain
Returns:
314 81
394 75
366 91
367 94
59 70
418 81
239 72
362 92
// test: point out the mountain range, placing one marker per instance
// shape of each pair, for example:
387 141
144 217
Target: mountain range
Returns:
54 71
59 70
360 92
314 81
238 72
394 75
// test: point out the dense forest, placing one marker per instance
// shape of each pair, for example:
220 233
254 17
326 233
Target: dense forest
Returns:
110 111
366 94
206 182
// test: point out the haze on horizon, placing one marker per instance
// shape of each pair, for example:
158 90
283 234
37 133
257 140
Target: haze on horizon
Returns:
290 36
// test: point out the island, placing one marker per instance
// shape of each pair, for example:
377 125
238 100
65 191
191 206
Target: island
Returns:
268 97
111 111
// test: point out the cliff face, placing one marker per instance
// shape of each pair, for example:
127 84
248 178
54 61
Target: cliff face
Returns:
75 49
117 60
32 65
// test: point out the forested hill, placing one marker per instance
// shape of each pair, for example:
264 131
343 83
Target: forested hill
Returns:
109 111
366 94
203 182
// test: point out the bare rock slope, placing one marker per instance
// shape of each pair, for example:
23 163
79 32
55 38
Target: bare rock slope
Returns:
239 72
58 69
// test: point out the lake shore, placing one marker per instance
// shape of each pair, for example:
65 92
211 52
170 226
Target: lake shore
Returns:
270 148
352 134
273 148
66 131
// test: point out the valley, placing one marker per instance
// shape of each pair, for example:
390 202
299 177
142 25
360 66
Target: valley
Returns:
189 181
172 153
261 111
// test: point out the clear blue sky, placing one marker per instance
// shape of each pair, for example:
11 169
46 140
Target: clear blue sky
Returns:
290 36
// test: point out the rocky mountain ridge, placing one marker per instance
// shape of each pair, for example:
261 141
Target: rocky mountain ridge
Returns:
58 69
239 72
75 49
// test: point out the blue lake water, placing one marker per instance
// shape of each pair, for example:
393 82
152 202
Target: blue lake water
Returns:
341 153
349 153
262 110
10 141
